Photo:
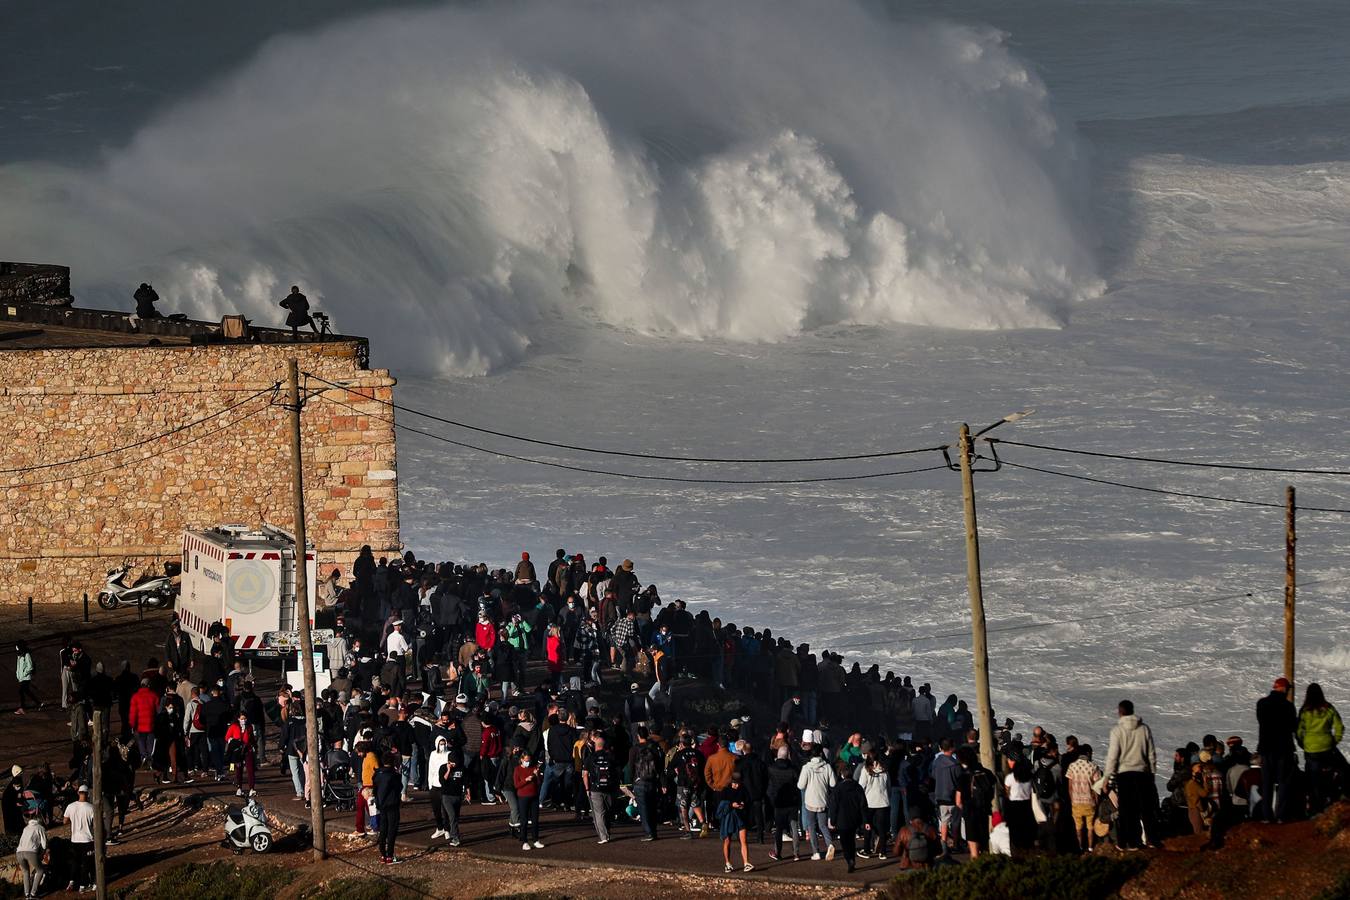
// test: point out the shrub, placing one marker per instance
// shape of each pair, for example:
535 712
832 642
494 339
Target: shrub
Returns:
215 881
369 889
1004 878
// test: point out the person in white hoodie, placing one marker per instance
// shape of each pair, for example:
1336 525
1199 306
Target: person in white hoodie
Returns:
876 784
439 757
816 781
31 854
1132 759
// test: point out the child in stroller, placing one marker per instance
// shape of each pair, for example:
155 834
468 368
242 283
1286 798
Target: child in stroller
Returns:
339 787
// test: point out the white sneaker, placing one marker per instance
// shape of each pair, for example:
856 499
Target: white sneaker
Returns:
815 856
539 845
437 834
525 846
829 852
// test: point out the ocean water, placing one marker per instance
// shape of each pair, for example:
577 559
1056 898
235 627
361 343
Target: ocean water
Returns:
783 229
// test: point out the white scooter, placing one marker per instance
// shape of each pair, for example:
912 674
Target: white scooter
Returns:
155 591
247 827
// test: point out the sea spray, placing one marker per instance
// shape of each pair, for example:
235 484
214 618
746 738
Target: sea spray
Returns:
448 181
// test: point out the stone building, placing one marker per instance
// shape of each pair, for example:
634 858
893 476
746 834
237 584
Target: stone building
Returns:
98 467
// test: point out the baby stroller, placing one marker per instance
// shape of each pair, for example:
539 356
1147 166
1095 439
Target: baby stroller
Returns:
339 788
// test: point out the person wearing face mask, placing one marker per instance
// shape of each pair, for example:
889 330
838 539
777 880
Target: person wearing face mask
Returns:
241 749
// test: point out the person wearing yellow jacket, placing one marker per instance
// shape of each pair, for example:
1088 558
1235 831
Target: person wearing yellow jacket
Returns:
1319 731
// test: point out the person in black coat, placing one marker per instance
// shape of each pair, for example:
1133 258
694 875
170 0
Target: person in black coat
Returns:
1276 722
296 305
847 812
388 786
755 776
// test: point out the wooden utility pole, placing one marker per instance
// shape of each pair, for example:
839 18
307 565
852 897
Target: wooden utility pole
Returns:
302 617
100 833
978 639
1290 583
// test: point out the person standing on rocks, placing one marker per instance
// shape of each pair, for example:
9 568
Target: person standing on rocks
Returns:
1276 722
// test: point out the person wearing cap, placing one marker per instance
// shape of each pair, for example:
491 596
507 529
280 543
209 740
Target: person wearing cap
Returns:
80 815
398 640
1276 722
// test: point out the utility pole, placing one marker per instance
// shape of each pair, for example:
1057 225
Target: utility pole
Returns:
100 833
979 641
302 616
1290 583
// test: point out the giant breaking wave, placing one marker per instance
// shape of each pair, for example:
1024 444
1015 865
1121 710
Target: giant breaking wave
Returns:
452 181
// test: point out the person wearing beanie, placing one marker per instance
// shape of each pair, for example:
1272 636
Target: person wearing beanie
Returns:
1276 722
525 570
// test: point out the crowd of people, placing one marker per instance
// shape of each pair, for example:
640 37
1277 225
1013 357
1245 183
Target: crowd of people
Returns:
576 689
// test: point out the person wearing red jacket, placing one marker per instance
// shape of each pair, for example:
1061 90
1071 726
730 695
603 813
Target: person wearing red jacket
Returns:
144 707
485 633
556 653
241 749
526 778
489 756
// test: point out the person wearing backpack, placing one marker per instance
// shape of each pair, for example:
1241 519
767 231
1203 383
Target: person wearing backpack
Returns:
600 776
975 797
915 844
1047 784
686 773
644 761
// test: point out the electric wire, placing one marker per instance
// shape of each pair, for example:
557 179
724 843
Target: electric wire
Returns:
625 453
632 475
139 459
154 437
1171 493
1170 462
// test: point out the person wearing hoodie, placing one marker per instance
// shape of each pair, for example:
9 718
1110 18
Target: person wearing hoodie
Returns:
440 755
1132 759
848 812
1319 731
875 780
817 780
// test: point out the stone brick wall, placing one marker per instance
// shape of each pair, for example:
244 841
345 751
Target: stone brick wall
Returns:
63 526
34 283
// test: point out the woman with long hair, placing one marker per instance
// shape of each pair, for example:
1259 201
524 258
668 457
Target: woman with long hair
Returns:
1319 731
1017 810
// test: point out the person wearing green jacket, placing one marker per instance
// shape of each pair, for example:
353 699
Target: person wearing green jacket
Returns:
1319 731
23 671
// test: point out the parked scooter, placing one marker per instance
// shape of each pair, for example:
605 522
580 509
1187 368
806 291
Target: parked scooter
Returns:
247 826
155 591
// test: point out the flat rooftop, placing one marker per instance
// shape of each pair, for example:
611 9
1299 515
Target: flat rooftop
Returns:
32 326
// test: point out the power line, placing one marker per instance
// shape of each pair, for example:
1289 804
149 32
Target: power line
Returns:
1169 493
675 478
625 453
144 441
138 459
1171 462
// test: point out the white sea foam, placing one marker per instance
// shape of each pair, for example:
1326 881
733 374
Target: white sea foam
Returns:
448 181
